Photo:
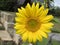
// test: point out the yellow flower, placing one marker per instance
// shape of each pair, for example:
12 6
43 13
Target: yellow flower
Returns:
33 23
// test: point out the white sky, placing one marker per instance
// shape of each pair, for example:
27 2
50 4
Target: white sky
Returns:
57 3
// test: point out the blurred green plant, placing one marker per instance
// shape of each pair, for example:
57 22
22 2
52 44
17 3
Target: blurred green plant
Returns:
7 5
55 42
44 42
2 28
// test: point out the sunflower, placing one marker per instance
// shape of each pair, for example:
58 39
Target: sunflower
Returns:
33 23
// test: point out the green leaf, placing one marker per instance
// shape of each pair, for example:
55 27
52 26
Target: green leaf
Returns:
34 0
55 42
56 28
44 42
56 20
25 43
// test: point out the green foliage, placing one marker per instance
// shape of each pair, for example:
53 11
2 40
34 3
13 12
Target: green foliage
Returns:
2 28
55 42
51 0
43 42
57 11
56 20
7 5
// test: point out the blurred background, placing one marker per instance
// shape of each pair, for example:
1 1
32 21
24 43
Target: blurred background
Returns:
8 8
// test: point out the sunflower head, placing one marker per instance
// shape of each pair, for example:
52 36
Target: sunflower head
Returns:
33 23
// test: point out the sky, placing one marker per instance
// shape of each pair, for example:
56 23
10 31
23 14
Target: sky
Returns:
57 3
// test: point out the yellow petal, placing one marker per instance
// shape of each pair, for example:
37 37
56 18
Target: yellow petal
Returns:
20 31
30 36
43 34
47 30
33 10
28 6
19 10
39 37
43 14
20 20
40 10
22 12
34 37
20 15
47 25
33 5
25 36
47 19
18 26
37 6
28 10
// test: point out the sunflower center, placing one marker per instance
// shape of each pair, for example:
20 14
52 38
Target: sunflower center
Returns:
32 25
